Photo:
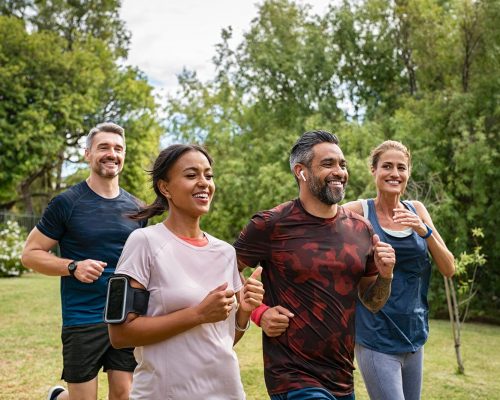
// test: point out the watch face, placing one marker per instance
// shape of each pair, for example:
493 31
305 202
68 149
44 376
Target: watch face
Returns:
72 267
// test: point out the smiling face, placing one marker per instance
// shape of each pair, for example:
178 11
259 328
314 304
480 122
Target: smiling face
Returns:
391 172
327 176
189 187
106 154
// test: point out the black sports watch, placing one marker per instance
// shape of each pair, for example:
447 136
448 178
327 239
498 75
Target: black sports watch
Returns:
72 267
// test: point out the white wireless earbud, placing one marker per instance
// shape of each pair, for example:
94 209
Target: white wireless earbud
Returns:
302 175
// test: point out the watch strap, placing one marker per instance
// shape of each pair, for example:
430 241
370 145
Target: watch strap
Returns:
429 232
72 267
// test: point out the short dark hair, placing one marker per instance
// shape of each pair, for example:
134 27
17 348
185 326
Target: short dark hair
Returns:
161 167
302 153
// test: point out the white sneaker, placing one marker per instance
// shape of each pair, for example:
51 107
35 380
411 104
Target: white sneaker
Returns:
55 391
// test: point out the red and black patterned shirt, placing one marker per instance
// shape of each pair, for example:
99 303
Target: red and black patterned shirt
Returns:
312 267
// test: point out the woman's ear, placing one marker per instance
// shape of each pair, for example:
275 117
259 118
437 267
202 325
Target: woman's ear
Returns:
163 188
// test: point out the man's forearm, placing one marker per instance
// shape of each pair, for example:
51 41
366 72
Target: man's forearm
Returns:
377 294
46 263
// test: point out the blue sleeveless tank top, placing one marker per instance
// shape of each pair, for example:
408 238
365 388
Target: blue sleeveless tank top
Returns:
402 325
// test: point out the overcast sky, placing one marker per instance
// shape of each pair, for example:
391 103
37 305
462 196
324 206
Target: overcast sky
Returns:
168 35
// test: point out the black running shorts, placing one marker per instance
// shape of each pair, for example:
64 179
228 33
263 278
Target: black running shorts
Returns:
86 348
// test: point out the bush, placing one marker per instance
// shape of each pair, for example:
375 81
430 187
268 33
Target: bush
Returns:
12 238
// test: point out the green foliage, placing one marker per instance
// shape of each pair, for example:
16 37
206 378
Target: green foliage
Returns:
60 74
12 238
46 93
466 261
265 93
424 72
73 19
468 268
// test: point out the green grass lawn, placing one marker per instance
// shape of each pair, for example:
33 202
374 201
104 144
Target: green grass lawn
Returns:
30 350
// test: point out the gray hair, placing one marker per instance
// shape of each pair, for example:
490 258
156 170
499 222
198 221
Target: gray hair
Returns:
302 153
104 127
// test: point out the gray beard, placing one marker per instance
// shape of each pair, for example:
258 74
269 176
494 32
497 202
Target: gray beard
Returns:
324 194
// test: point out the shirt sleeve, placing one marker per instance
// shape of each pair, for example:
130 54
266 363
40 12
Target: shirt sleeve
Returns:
135 260
237 278
53 221
253 244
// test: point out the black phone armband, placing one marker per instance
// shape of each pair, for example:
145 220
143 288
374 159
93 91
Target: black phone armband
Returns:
121 299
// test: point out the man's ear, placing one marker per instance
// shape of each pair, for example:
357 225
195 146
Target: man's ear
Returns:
86 155
298 171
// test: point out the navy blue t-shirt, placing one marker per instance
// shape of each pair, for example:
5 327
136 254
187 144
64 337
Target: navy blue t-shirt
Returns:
88 226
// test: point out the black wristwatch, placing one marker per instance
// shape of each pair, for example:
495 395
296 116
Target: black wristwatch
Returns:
72 267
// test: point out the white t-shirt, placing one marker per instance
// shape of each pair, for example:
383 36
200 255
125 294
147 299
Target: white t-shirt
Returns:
199 363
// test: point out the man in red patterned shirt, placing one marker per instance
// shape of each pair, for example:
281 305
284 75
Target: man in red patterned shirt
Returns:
317 258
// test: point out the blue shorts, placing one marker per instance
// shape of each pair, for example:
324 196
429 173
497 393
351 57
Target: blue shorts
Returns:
310 393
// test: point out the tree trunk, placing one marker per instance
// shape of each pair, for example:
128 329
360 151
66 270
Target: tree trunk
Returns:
25 189
471 37
451 298
26 195
404 44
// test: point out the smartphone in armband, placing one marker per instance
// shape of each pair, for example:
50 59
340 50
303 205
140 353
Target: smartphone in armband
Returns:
122 299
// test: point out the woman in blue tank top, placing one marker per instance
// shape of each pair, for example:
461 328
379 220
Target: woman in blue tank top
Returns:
389 343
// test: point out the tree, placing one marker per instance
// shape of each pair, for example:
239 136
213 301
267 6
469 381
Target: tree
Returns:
60 74
265 92
46 92
424 72
418 71
73 19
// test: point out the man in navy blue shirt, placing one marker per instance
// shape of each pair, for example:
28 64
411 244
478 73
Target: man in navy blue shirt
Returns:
89 222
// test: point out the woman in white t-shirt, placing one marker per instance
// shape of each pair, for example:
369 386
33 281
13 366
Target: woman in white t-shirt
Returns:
198 306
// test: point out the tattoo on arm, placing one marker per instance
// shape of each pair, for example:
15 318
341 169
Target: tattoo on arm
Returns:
377 294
